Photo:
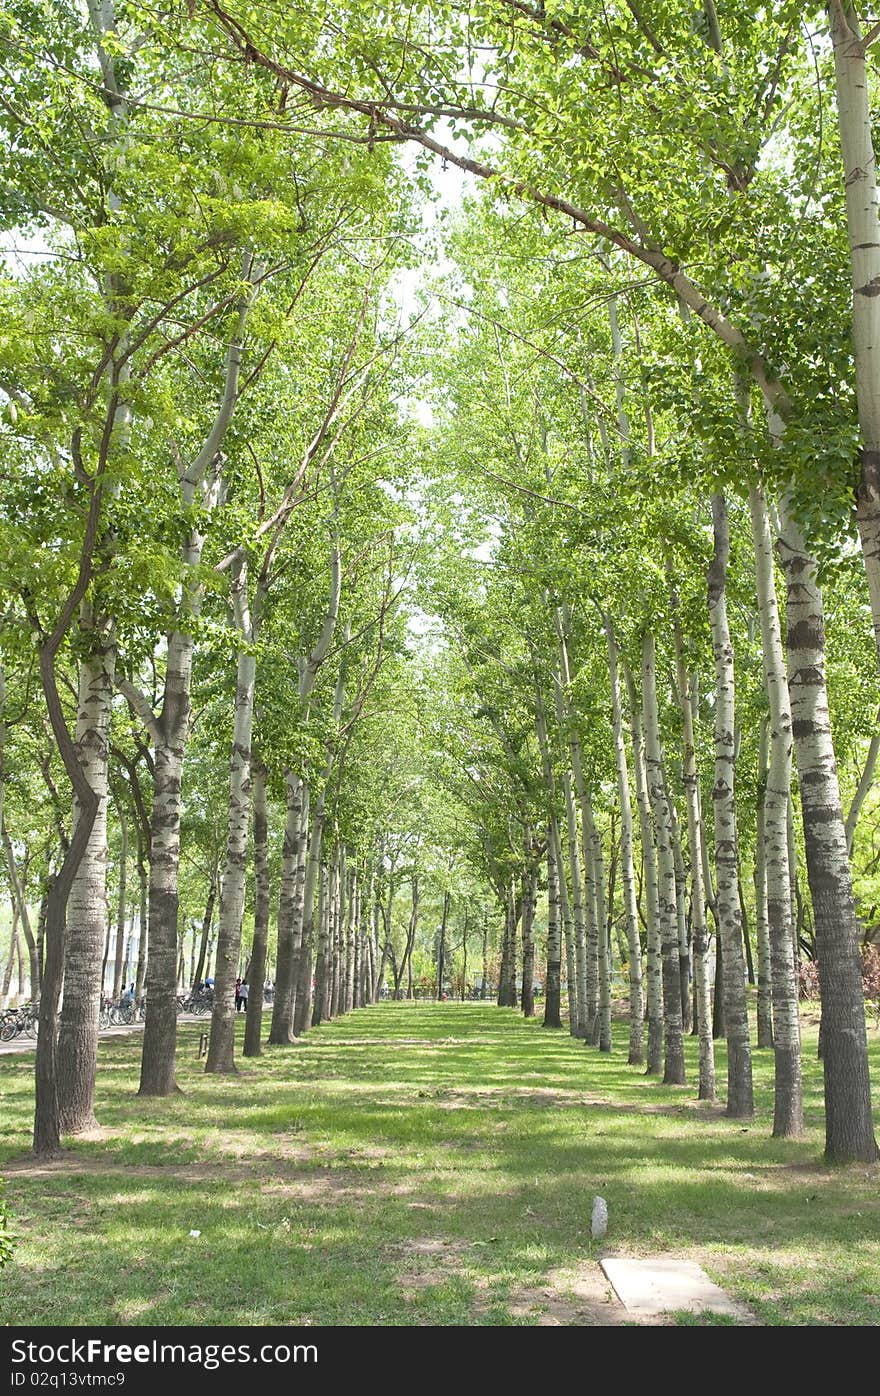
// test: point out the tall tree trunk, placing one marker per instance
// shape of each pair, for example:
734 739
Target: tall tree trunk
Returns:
740 1100
106 956
762 925
17 882
694 842
221 1046
552 988
14 950
358 944
674 1070
199 971
503 996
586 924
863 228
627 870
87 910
794 883
257 972
19 903
351 922
788 1090
406 962
143 922
200 486
291 909
120 913
302 1012
654 955
788 1118
441 951
600 1035
568 940
530 894
849 1130
684 948
337 913
323 930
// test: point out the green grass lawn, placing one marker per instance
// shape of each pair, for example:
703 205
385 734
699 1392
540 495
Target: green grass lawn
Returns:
423 1164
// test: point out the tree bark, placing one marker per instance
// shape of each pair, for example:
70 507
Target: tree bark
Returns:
654 956
221 1045
688 1021
87 908
14 950
441 951
863 229
118 963
199 971
600 1034
302 1012
740 1100
577 985
849 1130
530 893
627 870
762 925
674 1068
552 987
568 941
690 780
788 1118
257 971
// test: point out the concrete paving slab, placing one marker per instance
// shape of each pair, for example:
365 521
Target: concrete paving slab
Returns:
661 1284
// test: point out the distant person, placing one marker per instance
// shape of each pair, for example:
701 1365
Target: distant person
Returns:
243 995
238 995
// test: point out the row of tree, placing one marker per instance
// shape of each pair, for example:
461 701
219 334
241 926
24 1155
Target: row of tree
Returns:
651 359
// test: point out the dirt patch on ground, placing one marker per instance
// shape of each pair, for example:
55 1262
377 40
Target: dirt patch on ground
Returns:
574 1297
425 1261
579 1297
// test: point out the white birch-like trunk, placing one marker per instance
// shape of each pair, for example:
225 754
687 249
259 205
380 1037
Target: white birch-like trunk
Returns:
849 1129
530 893
568 935
762 925
253 1028
674 1068
684 948
17 886
221 1046
118 959
627 870
77 1059
577 984
303 1008
690 781
601 1031
740 1100
281 1030
354 996
654 952
588 980
788 1115
552 988
351 922
863 229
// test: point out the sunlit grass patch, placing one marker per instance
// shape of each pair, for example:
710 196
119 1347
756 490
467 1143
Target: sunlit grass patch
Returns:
312 1173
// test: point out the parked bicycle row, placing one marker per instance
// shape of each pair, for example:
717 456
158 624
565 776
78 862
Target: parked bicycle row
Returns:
121 1012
